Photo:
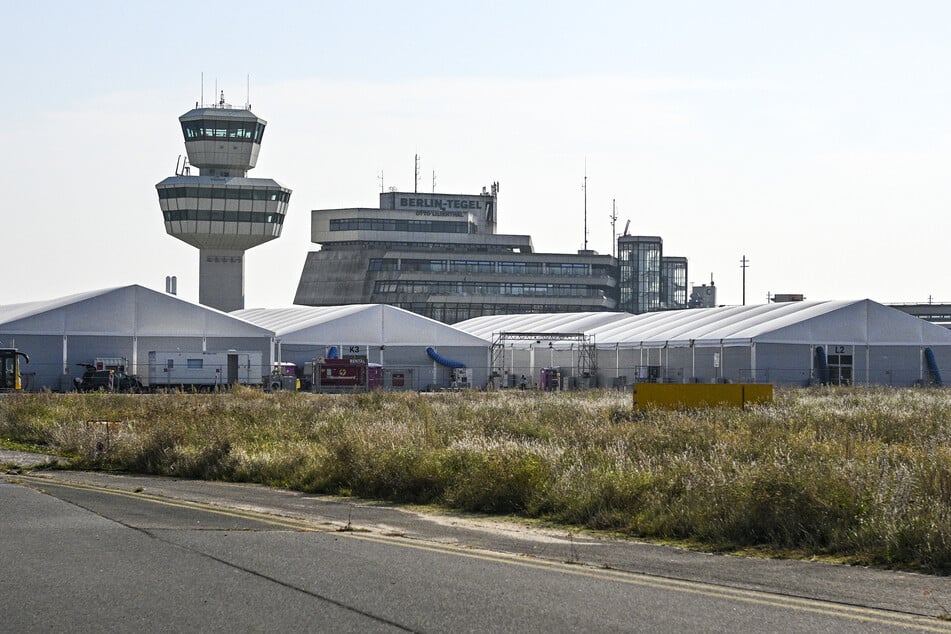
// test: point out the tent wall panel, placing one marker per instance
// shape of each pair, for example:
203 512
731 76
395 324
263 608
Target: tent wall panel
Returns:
46 359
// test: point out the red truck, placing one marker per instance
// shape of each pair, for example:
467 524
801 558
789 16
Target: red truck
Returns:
346 375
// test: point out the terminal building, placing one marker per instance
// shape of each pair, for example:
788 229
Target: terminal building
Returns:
439 255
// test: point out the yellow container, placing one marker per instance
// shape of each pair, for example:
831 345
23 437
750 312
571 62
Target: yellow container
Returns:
689 395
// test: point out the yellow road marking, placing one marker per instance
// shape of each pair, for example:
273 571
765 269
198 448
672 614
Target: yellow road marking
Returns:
857 613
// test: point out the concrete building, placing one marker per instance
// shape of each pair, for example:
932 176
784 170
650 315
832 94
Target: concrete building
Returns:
221 211
438 255
703 296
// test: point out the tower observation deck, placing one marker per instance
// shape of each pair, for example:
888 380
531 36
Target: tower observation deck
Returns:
221 211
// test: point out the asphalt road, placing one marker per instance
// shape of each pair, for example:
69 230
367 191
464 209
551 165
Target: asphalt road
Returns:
116 553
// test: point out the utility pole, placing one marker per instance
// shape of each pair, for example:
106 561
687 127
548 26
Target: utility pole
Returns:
744 264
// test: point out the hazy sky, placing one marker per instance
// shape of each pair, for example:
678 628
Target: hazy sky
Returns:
812 137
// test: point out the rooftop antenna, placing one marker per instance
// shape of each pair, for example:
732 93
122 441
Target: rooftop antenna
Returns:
202 102
584 186
627 226
613 227
416 174
380 178
247 102
434 181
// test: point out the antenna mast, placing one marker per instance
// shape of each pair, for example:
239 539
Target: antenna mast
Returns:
584 186
613 227
744 264
416 174
434 181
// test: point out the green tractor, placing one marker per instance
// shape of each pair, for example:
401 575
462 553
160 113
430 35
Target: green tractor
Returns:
10 369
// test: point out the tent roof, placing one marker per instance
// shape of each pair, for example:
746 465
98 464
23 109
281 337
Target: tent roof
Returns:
368 324
845 322
486 327
123 311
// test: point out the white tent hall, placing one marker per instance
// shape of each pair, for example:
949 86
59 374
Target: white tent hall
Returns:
796 343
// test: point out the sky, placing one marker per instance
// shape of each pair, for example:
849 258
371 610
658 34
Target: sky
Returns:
813 138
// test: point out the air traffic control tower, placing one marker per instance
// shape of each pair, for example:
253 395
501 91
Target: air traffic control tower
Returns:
222 211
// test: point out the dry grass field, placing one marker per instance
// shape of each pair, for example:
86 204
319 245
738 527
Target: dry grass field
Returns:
857 475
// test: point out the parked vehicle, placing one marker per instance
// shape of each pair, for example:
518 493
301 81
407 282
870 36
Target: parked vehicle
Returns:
204 370
108 380
285 376
10 378
346 375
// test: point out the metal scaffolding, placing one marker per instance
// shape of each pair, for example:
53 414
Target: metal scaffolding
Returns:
585 363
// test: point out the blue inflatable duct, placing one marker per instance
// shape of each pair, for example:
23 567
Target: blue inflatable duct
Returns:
933 366
823 365
332 353
441 360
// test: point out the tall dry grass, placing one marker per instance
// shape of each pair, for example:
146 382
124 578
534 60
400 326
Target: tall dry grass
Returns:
859 474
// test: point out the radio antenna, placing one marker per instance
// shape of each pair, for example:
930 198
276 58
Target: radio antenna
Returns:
416 174
584 186
613 227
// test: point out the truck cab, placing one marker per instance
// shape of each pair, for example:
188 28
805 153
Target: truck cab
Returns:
10 379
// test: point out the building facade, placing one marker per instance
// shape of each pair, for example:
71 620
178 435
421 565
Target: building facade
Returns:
438 255
639 273
221 211
673 282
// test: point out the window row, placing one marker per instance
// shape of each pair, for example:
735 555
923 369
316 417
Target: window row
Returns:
476 248
485 267
204 129
224 216
451 312
486 288
380 224
225 193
